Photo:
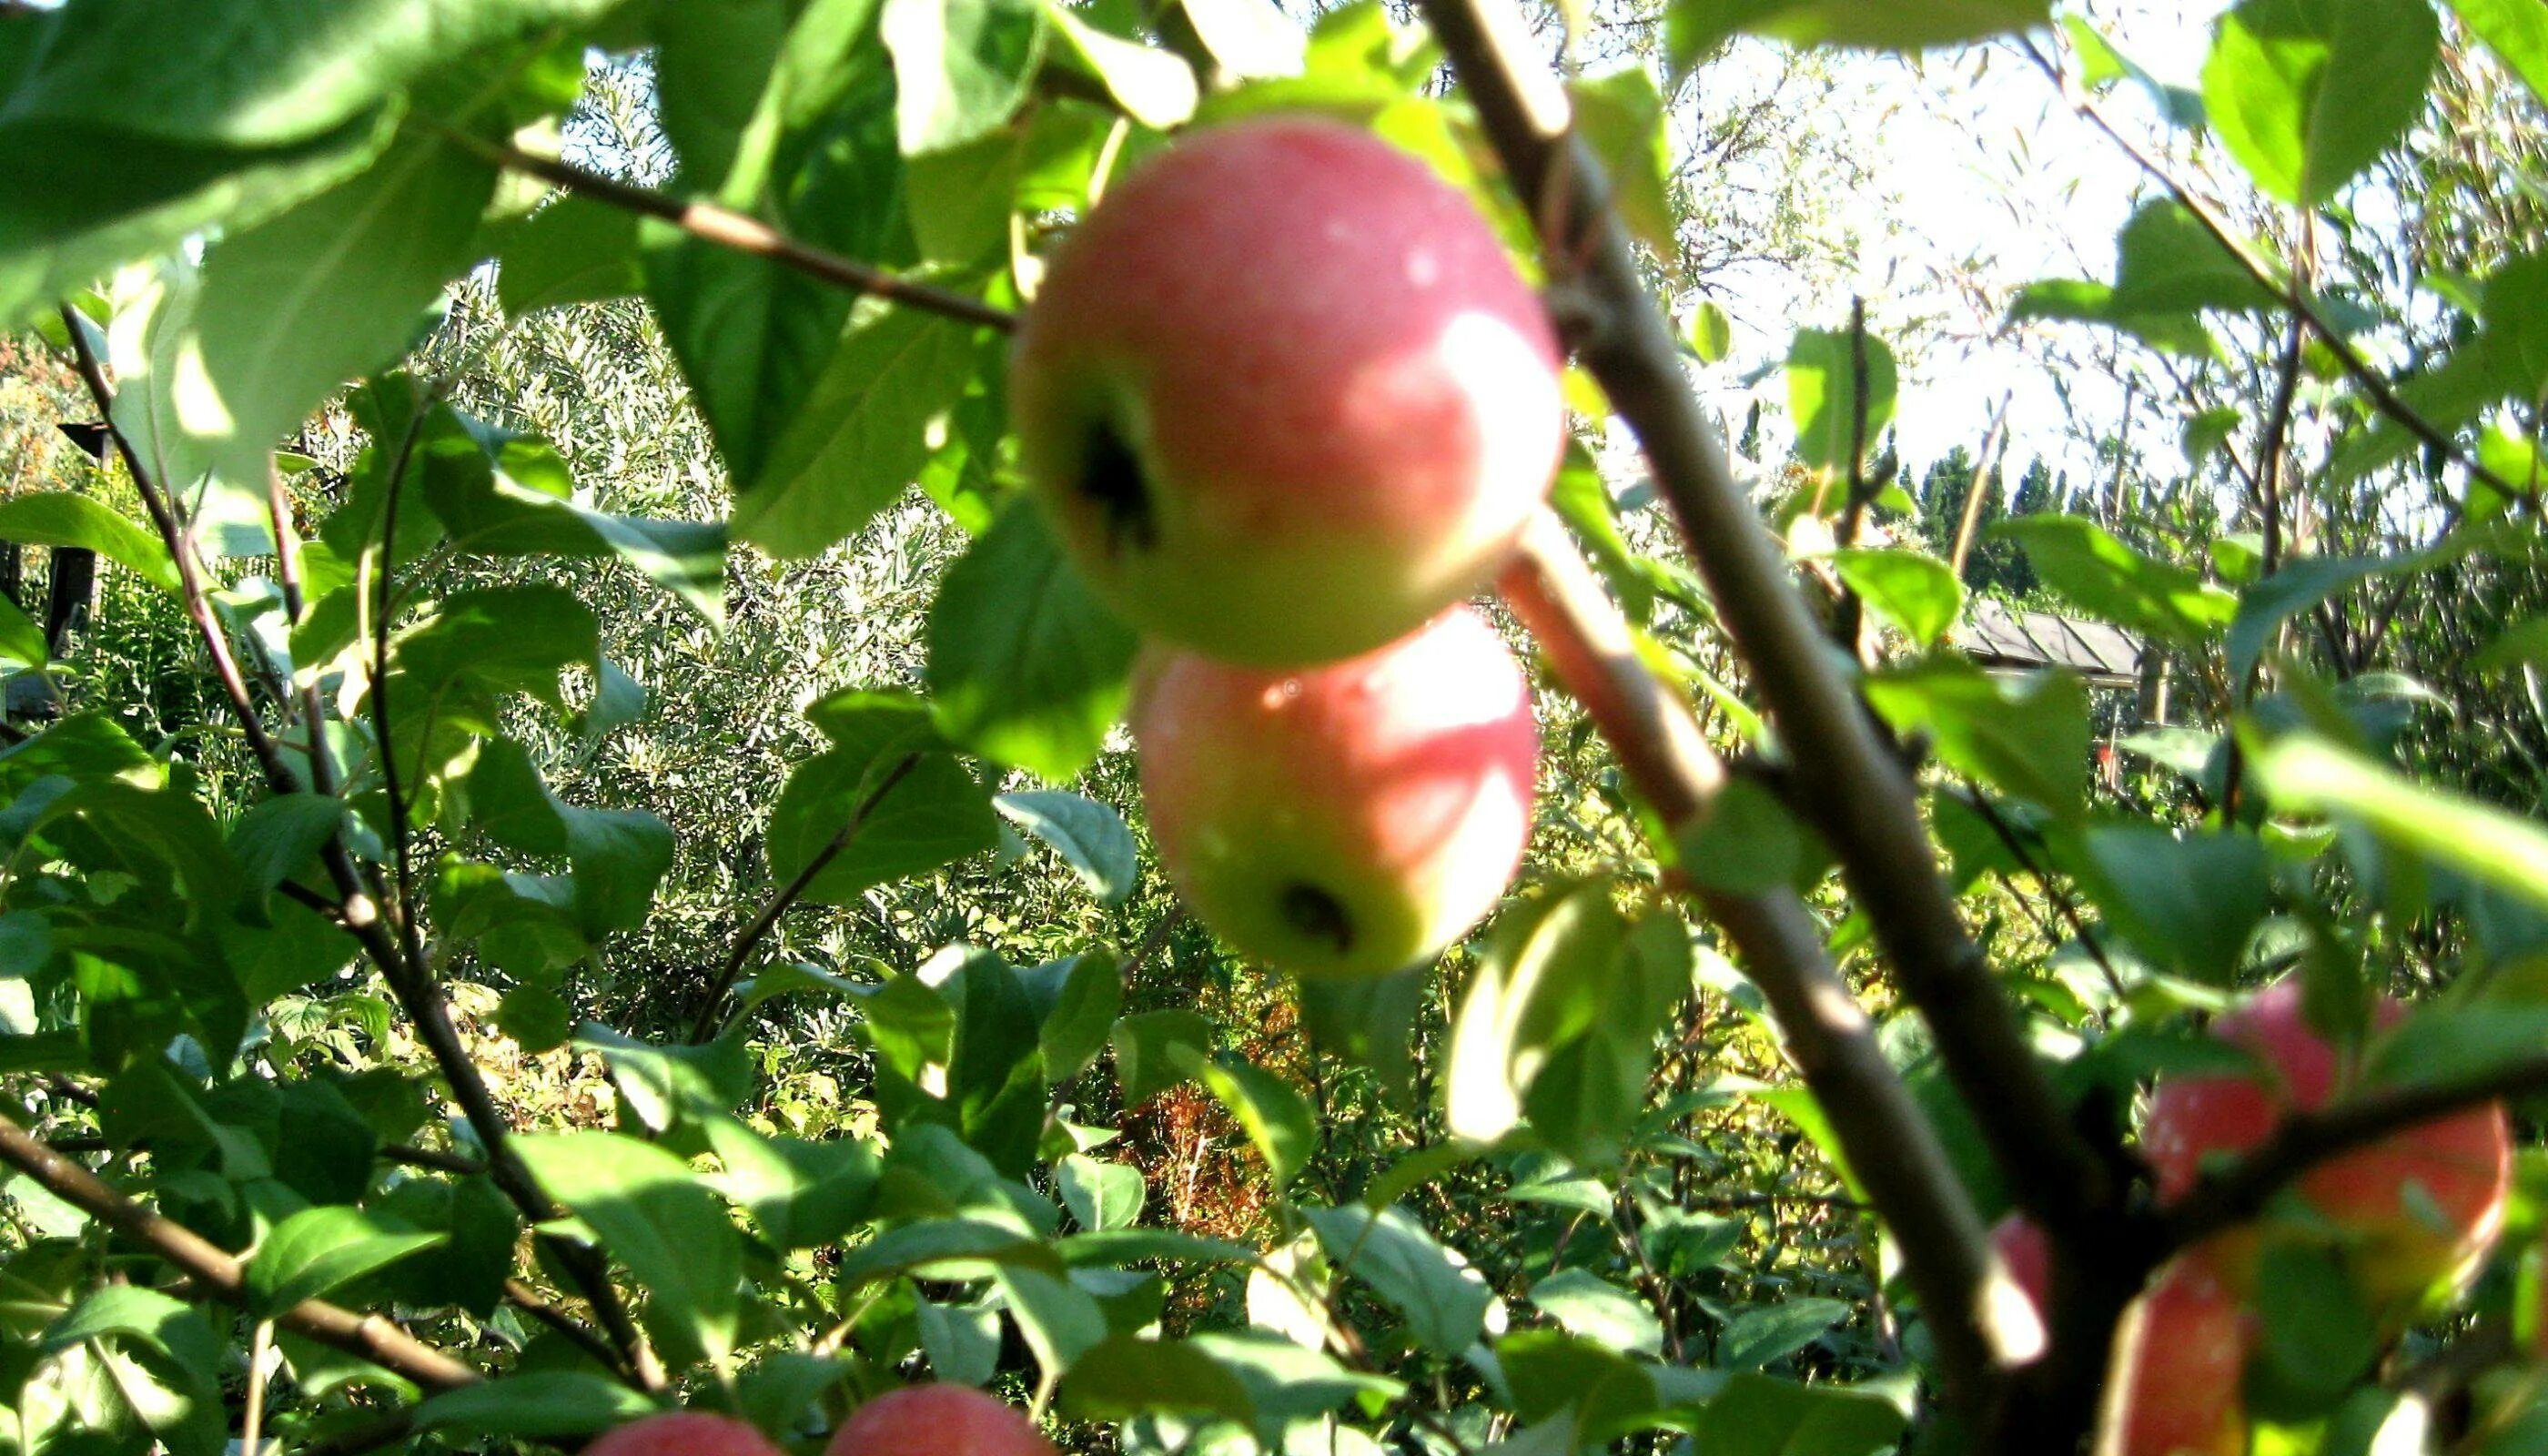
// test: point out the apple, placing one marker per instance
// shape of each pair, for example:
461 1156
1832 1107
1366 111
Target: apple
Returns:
683 1433
2180 1360
1347 820
2417 1207
2180 1355
1285 396
937 1420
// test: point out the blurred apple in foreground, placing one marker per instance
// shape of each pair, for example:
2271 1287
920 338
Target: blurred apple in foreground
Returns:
2180 1355
2420 1205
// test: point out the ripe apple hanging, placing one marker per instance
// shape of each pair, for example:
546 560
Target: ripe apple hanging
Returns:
1345 820
1285 396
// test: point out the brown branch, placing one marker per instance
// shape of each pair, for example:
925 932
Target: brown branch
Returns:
2242 1191
745 234
1888 1144
788 894
1856 792
216 1273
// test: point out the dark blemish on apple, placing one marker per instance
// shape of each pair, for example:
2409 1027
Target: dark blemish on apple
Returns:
1317 915
1110 475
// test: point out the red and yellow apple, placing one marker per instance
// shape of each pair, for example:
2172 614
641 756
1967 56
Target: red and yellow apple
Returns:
1347 820
2417 1207
2180 1355
2180 1361
937 1420
683 1433
1284 394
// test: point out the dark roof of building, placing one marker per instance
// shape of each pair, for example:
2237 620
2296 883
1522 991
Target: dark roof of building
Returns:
1998 636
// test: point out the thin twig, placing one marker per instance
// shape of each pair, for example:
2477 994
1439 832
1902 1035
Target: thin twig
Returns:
788 894
745 234
215 1272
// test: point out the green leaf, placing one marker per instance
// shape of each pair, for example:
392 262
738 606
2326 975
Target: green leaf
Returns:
537 1404
1549 976
2314 1337
1444 1301
937 813
2516 31
318 1249
1156 1050
1769 1333
1559 1381
1091 837
2296 588
2188 902
663 1085
2308 775
2025 735
962 65
962 1341
159 1360
22 641
279 838
1124 1376
2521 645
1697 26
2167 262
329 289
2114 583
1755 1415
1154 87
803 1194
1277 1119
861 433
1711 333
573 250
1621 117
1026 666
1100 1194
166 123
499 494
2515 312
1056 1317
1586 1305
1080 1012
1823 396
653 1215
59 518
1909 589
2305 93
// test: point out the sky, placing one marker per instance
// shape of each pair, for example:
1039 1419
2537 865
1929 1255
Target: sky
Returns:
1987 172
